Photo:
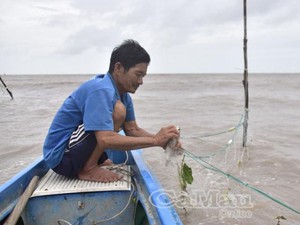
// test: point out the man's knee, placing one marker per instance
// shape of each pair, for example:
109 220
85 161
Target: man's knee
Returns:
119 115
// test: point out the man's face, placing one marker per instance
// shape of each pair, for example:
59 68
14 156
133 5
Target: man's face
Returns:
129 81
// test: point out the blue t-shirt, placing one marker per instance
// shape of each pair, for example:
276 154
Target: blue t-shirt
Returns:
91 104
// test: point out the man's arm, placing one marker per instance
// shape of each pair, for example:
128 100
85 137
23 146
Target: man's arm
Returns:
110 139
132 129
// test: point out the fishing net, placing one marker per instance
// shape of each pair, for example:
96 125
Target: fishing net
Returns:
221 191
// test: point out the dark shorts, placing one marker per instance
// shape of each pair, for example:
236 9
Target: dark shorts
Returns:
80 147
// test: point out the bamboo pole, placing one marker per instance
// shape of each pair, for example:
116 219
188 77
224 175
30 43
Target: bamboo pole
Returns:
16 213
9 92
245 81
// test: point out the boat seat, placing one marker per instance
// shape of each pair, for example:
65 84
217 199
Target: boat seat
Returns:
53 183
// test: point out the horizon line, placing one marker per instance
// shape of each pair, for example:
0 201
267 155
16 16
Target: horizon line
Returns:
163 73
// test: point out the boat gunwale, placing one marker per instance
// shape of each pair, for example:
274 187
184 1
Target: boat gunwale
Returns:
11 191
17 184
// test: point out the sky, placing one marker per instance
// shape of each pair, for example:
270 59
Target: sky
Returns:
181 36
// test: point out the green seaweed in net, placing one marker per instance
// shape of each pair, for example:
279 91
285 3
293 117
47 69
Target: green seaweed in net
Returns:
185 175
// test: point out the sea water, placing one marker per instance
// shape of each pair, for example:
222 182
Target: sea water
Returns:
199 104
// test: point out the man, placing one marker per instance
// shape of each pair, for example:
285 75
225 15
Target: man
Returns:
88 121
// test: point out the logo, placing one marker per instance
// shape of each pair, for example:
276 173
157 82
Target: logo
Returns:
230 205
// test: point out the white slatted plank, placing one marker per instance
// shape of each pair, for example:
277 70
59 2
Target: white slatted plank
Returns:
53 183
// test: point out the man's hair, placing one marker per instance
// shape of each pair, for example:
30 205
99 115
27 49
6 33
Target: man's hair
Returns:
129 53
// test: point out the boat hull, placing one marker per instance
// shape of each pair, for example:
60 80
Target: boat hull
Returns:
81 208
146 203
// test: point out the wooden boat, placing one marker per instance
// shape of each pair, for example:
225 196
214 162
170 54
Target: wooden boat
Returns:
139 199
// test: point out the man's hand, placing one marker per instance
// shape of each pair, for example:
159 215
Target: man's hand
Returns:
165 134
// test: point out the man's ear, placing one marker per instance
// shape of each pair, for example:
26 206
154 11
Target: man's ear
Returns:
118 68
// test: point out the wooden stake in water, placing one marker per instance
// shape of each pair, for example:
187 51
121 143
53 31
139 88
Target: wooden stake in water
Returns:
245 81
9 92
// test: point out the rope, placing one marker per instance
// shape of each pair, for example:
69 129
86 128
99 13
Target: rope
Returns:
119 213
229 143
200 160
64 221
213 168
110 218
224 131
115 168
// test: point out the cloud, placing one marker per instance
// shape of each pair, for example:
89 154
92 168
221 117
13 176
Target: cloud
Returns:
45 8
276 12
98 6
176 32
90 37
160 23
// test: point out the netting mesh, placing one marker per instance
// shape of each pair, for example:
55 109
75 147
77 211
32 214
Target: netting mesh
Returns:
219 191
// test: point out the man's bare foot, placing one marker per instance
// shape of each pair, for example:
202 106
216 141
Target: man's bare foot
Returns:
107 162
99 174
